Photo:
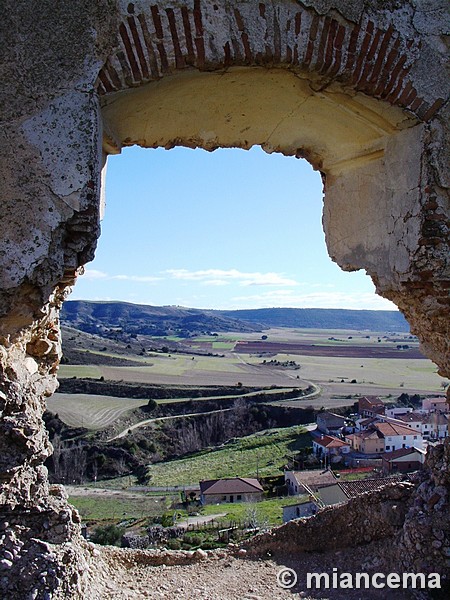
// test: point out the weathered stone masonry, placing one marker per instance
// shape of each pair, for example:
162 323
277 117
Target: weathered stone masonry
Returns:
360 88
371 60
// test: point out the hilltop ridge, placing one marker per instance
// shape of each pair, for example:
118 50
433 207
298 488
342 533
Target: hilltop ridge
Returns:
93 317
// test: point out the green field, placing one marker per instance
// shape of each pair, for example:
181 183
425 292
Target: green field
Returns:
261 454
120 506
186 369
97 412
386 378
268 512
100 509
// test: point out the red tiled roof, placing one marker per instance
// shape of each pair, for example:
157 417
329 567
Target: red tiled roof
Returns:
369 433
328 441
234 485
391 429
410 417
401 452
370 403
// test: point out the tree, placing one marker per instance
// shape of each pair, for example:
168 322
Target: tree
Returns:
107 535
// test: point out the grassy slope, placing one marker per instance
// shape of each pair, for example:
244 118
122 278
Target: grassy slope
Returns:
262 453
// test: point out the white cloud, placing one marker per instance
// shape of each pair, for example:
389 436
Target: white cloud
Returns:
94 274
221 277
138 278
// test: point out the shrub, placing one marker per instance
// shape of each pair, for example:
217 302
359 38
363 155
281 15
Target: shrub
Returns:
194 539
174 544
107 535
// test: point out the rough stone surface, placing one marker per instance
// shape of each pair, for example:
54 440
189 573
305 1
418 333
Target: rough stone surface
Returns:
359 88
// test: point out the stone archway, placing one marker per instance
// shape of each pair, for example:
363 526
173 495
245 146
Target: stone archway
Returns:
358 88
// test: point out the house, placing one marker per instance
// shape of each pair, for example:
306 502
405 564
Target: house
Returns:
329 423
343 491
365 423
307 508
235 489
432 424
369 441
313 480
369 406
403 460
397 410
412 419
328 445
398 436
439 403
435 425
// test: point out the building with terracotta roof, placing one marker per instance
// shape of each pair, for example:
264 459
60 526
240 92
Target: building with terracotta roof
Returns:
411 419
368 441
369 406
403 460
398 436
328 445
234 489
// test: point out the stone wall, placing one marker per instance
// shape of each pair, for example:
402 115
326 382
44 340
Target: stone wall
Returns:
368 518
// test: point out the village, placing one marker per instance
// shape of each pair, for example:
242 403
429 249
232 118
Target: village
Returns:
378 445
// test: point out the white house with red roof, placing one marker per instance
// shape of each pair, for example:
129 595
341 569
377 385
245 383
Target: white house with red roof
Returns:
398 436
328 445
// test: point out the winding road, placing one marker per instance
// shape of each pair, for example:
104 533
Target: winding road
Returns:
316 392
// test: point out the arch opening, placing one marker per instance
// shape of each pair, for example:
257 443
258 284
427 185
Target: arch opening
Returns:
231 210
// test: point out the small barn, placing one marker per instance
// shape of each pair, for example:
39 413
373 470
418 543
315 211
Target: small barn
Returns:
235 489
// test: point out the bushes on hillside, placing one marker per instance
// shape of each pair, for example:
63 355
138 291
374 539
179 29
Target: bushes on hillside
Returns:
107 535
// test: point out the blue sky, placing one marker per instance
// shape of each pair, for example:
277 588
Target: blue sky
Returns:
224 229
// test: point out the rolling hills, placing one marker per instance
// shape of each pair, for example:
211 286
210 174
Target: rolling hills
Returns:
99 317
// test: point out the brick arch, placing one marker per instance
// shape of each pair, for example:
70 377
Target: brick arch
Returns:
160 39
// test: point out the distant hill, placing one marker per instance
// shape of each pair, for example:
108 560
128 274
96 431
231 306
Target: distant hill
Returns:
96 317
323 318
99 317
